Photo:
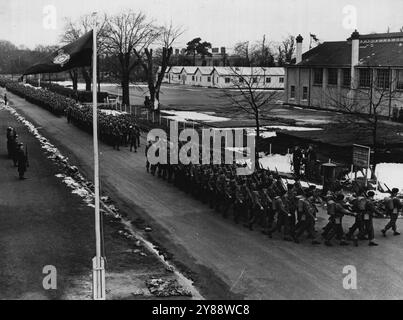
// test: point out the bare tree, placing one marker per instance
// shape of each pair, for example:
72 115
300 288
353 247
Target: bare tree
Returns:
250 98
242 49
286 50
167 36
76 29
364 106
128 32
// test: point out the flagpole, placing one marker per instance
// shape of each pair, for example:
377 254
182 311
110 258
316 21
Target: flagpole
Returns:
98 262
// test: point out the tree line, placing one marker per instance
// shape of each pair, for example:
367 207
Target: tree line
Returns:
131 47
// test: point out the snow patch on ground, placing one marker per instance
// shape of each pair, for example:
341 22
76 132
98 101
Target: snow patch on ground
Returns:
290 128
113 113
185 116
273 161
391 174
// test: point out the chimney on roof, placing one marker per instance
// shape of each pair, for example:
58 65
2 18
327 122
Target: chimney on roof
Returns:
299 40
355 54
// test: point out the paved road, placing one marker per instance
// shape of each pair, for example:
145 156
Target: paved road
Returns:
226 260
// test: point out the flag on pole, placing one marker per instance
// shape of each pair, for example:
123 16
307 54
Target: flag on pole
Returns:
73 55
314 38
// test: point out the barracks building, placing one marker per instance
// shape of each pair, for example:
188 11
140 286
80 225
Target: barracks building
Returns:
354 70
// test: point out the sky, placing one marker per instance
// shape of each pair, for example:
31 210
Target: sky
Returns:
221 22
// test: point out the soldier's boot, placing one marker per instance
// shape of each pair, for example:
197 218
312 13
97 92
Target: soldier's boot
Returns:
344 243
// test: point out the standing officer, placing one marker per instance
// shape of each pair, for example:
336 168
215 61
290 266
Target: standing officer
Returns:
22 160
393 206
146 153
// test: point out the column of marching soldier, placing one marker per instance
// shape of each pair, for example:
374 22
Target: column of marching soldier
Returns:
263 199
113 130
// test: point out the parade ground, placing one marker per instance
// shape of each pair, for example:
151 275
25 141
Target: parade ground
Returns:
224 260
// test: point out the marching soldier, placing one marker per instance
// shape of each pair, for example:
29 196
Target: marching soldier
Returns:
370 210
393 206
240 204
132 139
359 207
229 192
256 209
307 219
337 222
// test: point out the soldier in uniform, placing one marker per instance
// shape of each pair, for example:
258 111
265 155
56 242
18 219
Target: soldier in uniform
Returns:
229 192
146 154
370 210
240 204
307 219
256 210
337 222
137 134
11 135
22 161
14 149
359 207
281 215
268 214
116 138
393 206
132 139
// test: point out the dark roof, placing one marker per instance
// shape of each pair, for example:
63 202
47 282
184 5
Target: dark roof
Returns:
338 54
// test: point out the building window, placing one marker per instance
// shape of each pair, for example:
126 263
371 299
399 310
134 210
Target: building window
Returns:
399 78
346 77
208 79
254 80
292 92
268 80
365 78
217 79
193 78
318 76
383 78
240 80
332 76
166 76
179 77
281 79
227 80
305 93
